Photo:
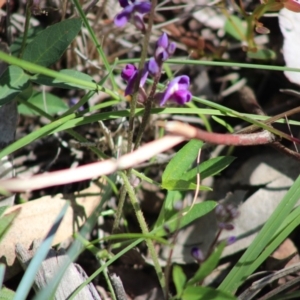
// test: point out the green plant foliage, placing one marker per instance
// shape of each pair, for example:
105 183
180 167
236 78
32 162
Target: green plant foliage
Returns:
185 217
179 279
6 221
49 81
168 210
262 54
44 101
182 185
208 265
13 81
176 175
49 45
223 123
236 28
17 43
250 261
210 167
182 161
2 272
6 294
203 293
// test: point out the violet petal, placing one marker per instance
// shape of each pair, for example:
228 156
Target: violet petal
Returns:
139 22
161 54
128 71
171 48
142 7
163 41
153 66
144 76
124 3
182 97
130 85
123 17
231 240
183 82
177 90
197 254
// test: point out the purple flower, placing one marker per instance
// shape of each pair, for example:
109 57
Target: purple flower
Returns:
164 49
226 226
197 254
231 240
177 91
225 213
130 74
134 11
153 67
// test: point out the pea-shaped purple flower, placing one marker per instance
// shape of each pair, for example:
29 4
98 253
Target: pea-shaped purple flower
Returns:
164 49
130 74
177 91
133 11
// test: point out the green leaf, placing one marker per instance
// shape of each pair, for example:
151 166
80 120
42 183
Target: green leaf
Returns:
210 167
6 221
285 229
6 294
182 161
262 54
208 265
179 279
205 293
185 217
236 28
49 45
2 210
2 274
12 82
49 81
168 210
182 185
46 102
247 263
16 45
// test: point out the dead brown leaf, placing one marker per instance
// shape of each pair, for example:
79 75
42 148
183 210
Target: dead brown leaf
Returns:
36 218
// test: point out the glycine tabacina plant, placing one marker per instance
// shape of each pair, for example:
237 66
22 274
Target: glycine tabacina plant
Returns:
177 89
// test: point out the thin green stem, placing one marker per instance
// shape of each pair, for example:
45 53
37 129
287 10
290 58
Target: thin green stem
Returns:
141 66
147 111
27 22
230 64
132 113
95 251
144 228
97 45
119 209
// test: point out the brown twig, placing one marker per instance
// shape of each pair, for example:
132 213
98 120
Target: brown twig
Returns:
190 132
250 104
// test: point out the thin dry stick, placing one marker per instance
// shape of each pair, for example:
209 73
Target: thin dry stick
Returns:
250 103
94 169
289 127
257 286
